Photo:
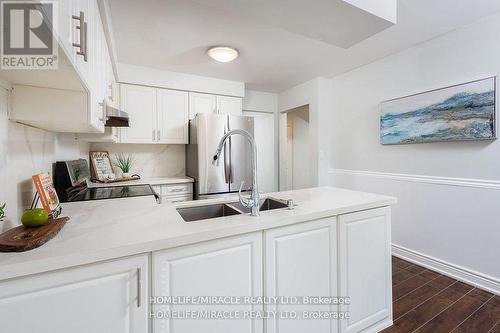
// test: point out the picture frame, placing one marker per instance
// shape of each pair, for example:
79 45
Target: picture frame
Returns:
101 166
460 112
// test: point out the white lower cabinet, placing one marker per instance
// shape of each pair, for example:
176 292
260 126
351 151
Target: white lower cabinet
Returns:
225 267
172 193
301 260
344 256
108 297
365 269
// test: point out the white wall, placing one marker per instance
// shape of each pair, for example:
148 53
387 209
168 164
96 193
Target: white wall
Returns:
25 151
453 220
173 80
317 93
298 123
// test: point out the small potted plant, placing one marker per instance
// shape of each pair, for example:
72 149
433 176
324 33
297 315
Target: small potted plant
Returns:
124 163
2 212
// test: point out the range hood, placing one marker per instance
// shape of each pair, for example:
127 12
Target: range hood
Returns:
116 118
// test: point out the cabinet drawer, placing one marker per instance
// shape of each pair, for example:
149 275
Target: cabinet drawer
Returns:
173 199
175 189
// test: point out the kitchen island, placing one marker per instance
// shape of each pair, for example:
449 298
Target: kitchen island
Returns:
116 254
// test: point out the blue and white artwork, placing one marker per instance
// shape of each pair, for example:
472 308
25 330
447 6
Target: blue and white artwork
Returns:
461 112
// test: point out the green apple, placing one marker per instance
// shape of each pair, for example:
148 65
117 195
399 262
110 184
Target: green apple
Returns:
35 217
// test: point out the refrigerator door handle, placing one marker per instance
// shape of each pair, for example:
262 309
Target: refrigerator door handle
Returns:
231 180
227 166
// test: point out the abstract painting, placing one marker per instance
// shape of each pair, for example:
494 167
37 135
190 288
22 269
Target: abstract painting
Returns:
456 113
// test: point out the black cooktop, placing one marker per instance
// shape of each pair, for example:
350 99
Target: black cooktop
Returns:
110 192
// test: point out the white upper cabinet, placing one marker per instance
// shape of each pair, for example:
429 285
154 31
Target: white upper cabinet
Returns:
207 103
107 297
156 115
229 105
172 116
140 104
65 27
82 74
84 33
201 103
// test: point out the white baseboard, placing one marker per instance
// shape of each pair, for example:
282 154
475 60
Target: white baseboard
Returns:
380 326
476 279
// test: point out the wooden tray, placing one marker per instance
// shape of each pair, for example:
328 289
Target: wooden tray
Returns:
117 180
20 239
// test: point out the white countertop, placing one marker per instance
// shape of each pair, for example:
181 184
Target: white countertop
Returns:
149 181
108 229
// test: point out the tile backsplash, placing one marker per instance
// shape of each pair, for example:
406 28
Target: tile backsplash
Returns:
149 160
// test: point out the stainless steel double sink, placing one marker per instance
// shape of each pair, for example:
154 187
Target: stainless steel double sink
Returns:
190 214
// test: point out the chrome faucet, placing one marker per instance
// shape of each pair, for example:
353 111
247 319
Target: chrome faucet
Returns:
254 200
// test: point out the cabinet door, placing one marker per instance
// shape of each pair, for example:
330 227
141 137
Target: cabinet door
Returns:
365 268
201 103
108 297
301 260
65 27
84 67
229 105
140 103
224 267
172 108
98 61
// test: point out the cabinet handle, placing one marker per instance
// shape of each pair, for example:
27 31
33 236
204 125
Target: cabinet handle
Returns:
103 106
153 134
82 26
112 92
179 189
159 135
139 287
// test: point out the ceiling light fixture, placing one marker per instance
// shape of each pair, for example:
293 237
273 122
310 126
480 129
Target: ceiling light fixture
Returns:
223 53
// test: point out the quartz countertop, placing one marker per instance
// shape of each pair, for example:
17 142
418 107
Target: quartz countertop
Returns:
148 181
108 229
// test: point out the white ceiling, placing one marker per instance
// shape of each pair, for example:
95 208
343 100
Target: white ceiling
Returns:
174 35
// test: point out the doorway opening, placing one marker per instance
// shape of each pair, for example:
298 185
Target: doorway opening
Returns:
295 161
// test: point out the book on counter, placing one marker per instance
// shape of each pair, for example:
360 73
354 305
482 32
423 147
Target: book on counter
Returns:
46 191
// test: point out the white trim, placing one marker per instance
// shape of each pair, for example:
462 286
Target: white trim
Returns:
448 181
258 111
457 272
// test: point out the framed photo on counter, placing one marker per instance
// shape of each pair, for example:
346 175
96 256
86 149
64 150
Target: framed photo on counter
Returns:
101 167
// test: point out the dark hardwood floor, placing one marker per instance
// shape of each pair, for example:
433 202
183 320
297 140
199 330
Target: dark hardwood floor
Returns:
426 301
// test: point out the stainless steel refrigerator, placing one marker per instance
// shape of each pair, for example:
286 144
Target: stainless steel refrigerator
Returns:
205 132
